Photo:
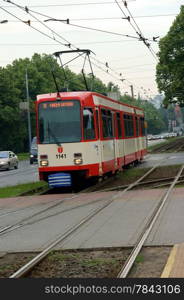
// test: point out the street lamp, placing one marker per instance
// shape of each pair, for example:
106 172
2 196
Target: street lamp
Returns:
28 111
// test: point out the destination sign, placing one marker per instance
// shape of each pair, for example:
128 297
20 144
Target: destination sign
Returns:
57 104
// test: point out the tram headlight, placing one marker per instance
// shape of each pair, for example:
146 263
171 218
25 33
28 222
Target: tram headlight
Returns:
44 163
78 159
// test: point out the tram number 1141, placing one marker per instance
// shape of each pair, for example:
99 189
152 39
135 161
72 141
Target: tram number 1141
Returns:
58 156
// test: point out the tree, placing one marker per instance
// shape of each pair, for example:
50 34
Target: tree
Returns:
11 124
170 68
111 87
13 91
13 121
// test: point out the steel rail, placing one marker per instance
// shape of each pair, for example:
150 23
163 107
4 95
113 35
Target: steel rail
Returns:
20 223
9 229
142 177
119 187
167 183
167 146
173 146
28 267
23 222
131 259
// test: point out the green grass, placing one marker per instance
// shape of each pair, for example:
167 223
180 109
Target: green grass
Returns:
13 191
129 175
59 256
139 259
4 268
23 156
93 262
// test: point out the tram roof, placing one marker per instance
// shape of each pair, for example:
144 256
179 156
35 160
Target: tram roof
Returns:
79 95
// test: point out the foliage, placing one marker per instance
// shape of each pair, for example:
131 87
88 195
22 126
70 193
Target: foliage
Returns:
40 68
170 68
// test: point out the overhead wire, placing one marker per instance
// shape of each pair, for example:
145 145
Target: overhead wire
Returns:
125 16
82 43
74 4
104 31
130 14
119 74
110 18
29 24
25 9
67 21
136 27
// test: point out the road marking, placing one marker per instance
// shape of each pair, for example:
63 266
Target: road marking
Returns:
170 262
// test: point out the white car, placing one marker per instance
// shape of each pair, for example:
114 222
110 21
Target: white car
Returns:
8 160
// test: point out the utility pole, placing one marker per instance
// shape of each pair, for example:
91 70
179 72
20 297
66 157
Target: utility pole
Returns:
132 91
28 111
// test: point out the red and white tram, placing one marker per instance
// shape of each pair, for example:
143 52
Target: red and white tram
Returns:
86 134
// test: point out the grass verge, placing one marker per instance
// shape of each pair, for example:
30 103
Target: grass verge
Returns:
23 156
14 191
130 175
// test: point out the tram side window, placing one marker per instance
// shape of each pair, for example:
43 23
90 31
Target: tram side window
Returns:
88 124
142 126
118 118
107 123
129 128
137 126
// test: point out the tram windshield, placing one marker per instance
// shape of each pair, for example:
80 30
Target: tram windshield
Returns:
59 122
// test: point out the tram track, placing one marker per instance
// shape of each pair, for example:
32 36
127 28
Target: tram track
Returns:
145 184
38 258
27 221
176 146
147 229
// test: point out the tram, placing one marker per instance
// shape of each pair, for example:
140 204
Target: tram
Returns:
86 134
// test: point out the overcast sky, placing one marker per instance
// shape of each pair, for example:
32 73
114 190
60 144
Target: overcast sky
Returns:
127 57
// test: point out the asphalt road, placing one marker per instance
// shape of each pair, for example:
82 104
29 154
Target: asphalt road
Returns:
24 174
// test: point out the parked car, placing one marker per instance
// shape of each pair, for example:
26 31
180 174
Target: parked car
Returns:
8 160
34 151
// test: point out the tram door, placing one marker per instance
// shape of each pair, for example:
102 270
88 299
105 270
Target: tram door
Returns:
108 143
115 144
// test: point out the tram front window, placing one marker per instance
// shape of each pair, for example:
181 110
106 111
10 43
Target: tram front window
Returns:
59 122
